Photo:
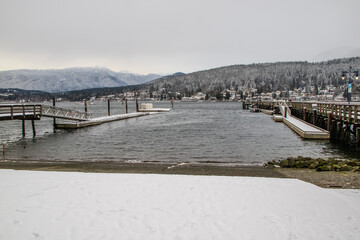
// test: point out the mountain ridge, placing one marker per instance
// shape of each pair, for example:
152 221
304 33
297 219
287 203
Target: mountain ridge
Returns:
69 79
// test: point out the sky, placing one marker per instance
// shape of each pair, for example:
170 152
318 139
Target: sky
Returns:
167 36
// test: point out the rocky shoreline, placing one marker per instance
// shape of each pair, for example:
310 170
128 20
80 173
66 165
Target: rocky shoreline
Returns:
318 164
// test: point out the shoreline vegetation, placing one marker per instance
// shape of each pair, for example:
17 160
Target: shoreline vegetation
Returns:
329 173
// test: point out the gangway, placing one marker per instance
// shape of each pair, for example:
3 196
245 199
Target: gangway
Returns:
63 113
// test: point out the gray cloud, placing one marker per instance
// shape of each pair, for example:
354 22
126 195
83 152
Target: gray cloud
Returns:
168 36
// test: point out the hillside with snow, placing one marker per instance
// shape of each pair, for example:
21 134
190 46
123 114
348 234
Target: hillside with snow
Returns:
62 80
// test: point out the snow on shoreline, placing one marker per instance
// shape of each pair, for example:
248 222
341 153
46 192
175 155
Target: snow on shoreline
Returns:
70 205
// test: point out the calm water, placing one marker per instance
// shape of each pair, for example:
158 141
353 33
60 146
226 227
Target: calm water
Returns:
220 132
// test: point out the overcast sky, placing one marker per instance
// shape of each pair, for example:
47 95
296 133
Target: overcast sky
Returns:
166 36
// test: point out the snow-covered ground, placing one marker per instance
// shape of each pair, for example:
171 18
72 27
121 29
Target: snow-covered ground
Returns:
61 205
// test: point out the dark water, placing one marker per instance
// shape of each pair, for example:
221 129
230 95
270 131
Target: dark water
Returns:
219 132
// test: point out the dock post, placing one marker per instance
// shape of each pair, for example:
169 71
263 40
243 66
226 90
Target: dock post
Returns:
23 127
54 103
329 121
339 131
285 112
172 102
108 107
126 106
304 115
137 105
85 103
314 117
33 128
23 122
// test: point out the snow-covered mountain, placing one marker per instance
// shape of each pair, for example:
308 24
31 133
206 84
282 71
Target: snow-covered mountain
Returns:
70 79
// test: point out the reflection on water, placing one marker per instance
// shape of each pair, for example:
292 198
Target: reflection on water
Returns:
220 132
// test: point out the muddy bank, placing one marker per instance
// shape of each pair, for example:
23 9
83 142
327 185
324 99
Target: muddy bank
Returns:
329 179
347 180
152 168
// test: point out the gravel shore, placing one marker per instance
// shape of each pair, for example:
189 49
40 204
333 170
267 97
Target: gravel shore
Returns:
349 180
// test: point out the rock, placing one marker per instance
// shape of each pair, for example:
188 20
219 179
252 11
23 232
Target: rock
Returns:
302 164
323 168
356 169
292 162
336 167
313 165
346 168
353 163
284 163
269 165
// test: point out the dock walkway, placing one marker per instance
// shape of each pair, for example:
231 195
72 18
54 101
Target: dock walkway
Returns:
304 129
100 120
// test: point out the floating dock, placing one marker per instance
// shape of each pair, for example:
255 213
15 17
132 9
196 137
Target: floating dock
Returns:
155 110
303 128
148 107
100 120
268 112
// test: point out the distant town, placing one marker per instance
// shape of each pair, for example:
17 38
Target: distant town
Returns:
329 93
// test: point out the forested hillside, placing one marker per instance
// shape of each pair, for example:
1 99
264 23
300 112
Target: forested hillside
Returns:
265 77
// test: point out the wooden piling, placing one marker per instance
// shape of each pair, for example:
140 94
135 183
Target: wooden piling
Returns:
54 123
347 134
108 107
329 122
137 105
126 106
23 121
33 128
304 115
85 103
23 128
314 117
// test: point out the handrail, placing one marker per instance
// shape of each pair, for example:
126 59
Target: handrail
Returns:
20 110
51 111
11 111
282 107
339 111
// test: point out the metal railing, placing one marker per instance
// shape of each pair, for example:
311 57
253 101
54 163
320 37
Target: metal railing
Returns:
284 109
56 112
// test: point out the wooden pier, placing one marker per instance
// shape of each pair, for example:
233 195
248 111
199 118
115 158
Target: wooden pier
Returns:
20 112
341 120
